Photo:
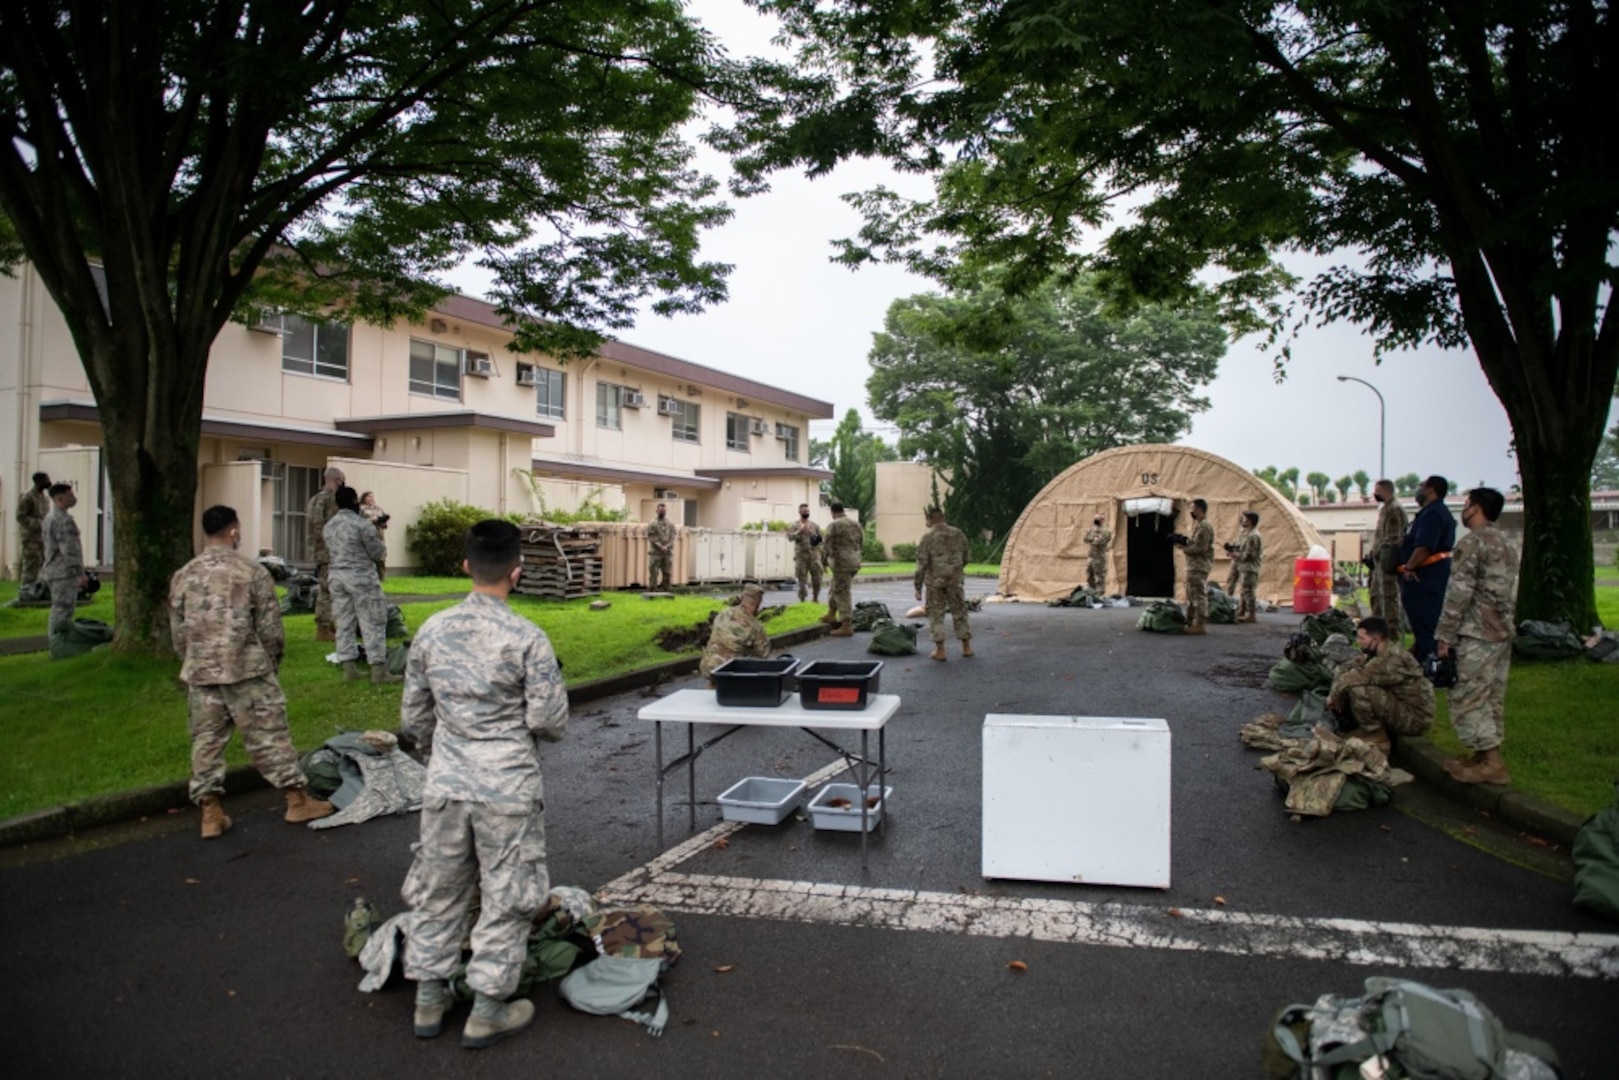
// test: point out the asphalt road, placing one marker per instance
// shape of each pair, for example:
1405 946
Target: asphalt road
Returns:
143 951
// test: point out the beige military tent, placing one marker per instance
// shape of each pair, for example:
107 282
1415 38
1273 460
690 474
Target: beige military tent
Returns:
1144 493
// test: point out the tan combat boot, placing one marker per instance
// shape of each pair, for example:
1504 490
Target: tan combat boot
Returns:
301 808
831 616
379 675
1194 628
1247 616
1485 768
938 651
350 671
845 630
433 1000
966 647
491 1021
214 821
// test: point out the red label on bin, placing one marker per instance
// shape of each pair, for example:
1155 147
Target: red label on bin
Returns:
840 695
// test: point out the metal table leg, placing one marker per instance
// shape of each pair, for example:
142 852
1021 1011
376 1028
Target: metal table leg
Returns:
657 743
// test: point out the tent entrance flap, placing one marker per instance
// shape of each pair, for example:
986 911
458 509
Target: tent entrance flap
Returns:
1149 555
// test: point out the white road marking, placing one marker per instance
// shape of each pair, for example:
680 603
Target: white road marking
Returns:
1119 925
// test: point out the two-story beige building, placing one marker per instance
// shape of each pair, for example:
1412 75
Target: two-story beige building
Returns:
413 413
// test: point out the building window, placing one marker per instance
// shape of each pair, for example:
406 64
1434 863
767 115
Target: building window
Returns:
435 370
686 415
789 441
610 406
736 432
549 394
313 348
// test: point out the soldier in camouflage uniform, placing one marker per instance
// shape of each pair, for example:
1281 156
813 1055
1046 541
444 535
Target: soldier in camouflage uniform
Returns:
481 688
1100 538
941 560
31 510
322 506
1250 559
1385 578
1233 578
1199 548
841 553
226 626
1385 690
806 537
63 566
353 549
1476 625
660 551
736 632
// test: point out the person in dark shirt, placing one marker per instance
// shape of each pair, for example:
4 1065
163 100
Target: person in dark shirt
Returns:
1425 564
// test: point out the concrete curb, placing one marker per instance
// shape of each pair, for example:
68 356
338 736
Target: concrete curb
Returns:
1426 762
120 806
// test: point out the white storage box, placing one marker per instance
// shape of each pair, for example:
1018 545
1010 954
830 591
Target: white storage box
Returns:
847 818
1080 799
761 800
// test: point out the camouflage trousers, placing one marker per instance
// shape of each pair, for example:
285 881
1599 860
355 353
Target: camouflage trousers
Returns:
32 543
1233 580
1197 595
807 568
1248 598
467 849
357 602
659 571
1096 575
323 599
840 600
947 592
64 596
258 709
1385 595
1374 708
1479 697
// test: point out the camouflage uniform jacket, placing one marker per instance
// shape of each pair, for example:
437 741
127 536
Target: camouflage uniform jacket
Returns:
735 633
224 619
802 533
1483 588
1250 552
1200 549
941 555
1395 670
1098 537
842 545
481 685
322 507
352 543
64 557
1390 532
32 509
660 536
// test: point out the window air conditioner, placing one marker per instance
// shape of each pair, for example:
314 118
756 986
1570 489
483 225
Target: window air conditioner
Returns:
528 376
633 399
665 493
783 432
669 406
758 426
266 323
480 365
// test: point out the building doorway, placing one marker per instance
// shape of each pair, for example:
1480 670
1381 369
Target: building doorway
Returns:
1149 555
292 486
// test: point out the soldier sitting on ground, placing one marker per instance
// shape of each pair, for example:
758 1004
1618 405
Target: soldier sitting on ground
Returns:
736 632
1384 691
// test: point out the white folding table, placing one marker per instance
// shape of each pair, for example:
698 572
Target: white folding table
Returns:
693 707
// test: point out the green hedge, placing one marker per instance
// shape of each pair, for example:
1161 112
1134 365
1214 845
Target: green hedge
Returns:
438 538
904 552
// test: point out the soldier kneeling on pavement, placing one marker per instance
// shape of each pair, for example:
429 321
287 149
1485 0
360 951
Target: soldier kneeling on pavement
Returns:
1384 690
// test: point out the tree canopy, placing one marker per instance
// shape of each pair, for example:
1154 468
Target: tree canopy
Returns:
1003 392
852 455
170 164
1459 150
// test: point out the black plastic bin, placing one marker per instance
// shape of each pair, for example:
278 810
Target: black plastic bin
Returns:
838 684
748 683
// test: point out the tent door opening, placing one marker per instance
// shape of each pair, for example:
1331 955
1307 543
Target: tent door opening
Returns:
1149 556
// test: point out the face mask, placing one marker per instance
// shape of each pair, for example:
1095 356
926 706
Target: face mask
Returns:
804 514
1378 496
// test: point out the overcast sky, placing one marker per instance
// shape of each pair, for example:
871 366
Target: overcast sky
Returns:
798 321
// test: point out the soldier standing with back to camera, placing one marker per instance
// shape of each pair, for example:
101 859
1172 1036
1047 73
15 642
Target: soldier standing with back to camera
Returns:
354 548
1199 548
1477 626
1099 538
321 508
806 537
941 563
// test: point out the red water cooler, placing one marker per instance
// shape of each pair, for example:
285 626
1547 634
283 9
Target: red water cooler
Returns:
1312 586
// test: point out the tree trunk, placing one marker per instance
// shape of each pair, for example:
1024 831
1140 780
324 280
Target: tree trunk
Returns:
1556 531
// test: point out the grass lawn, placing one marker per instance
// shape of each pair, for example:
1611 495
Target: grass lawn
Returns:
989 569
99 723
30 622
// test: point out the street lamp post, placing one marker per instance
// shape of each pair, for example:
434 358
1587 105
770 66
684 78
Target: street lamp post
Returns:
1382 429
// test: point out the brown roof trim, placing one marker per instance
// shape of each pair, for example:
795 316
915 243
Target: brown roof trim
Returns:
808 472
459 419
70 411
571 469
483 313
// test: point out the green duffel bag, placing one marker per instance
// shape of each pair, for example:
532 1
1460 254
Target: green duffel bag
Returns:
866 614
1222 607
1596 863
1538 640
79 637
889 638
1162 617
